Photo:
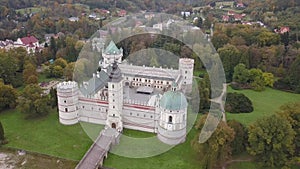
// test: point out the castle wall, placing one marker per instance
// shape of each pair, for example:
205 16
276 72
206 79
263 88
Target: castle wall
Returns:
92 111
139 117
171 137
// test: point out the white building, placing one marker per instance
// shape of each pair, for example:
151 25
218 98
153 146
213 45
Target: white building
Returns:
136 97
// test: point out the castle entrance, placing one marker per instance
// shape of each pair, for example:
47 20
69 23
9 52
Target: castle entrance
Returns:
113 125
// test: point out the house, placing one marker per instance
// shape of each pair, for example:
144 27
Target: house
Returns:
92 16
238 17
74 19
30 42
282 30
187 14
230 13
240 5
48 37
122 13
225 18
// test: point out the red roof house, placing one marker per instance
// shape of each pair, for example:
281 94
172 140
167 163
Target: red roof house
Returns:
122 13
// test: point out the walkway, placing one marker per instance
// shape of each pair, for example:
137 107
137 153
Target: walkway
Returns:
94 157
220 100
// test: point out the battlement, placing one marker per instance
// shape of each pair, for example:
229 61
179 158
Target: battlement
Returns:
186 61
64 86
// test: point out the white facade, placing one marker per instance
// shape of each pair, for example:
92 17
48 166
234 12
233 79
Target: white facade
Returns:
134 97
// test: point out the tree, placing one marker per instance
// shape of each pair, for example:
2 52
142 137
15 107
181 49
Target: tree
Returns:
268 79
216 150
8 96
1 133
69 70
32 102
241 74
219 40
294 75
238 103
271 141
257 80
29 74
291 112
239 143
8 67
230 57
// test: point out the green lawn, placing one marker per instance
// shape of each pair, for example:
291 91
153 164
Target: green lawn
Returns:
265 103
180 157
30 9
46 135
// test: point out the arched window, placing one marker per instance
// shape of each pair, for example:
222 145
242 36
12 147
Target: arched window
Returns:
66 109
170 119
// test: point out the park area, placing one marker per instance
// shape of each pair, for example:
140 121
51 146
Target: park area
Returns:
48 137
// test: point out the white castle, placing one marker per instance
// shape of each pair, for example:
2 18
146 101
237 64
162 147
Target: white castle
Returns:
142 98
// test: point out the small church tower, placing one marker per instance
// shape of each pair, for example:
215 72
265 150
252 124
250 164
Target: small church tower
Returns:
67 96
115 98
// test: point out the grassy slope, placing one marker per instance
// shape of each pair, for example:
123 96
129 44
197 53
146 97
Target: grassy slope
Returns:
265 103
46 136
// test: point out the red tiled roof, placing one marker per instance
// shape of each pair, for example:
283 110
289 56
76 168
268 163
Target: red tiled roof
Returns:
29 40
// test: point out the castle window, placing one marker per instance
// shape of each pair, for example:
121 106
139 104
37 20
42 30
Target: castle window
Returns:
113 100
184 117
83 107
113 86
113 115
170 119
130 114
134 79
113 107
66 109
65 101
185 77
151 117
137 114
144 115
185 72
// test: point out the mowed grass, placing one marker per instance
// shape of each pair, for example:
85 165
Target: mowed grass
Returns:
45 135
181 156
265 103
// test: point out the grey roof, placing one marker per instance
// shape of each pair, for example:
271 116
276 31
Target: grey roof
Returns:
149 72
95 84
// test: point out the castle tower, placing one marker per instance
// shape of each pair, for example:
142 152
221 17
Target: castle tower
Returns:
110 55
115 99
67 95
173 115
186 68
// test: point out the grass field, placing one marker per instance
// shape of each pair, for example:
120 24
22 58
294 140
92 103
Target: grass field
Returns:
46 135
265 103
30 9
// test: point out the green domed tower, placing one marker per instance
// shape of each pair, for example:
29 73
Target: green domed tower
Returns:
173 111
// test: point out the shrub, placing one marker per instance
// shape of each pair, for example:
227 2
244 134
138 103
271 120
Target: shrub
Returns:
238 103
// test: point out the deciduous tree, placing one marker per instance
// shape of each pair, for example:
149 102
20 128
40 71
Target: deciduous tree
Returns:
217 149
271 141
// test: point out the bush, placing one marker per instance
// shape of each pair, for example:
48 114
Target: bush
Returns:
238 103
